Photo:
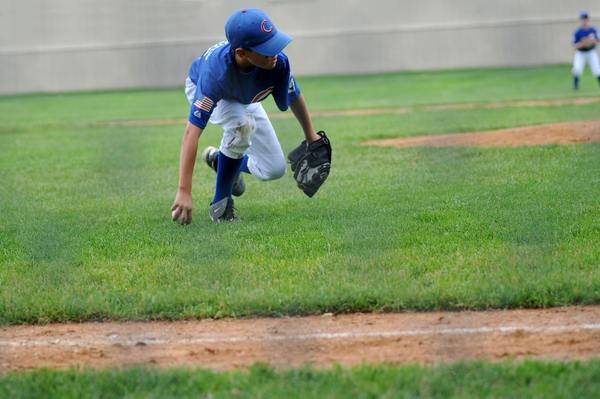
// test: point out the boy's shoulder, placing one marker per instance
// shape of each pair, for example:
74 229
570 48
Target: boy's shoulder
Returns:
283 56
216 51
213 63
588 30
283 62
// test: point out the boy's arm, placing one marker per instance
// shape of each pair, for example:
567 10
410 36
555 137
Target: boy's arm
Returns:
311 160
300 111
584 43
182 207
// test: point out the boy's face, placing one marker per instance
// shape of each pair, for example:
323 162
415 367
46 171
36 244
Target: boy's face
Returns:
259 60
585 22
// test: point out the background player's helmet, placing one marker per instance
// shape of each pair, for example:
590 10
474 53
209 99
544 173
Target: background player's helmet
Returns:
584 15
252 29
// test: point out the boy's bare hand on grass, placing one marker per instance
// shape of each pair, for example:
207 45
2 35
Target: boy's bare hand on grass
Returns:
182 208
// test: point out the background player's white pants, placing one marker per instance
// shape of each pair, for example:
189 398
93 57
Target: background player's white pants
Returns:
583 57
247 129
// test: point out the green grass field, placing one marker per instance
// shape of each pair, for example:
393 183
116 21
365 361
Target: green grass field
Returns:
85 230
85 208
530 379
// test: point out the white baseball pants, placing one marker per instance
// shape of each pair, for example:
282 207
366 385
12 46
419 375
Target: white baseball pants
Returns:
586 57
247 130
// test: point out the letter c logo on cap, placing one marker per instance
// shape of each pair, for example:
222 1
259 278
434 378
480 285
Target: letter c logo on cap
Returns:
266 26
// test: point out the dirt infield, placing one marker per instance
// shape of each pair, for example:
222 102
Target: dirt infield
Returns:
560 133
377 111
560 333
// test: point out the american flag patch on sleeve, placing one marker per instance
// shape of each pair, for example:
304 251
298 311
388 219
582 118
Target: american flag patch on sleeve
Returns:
206 104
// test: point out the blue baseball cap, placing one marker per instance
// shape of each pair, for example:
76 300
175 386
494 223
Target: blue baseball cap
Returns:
251 28
584 15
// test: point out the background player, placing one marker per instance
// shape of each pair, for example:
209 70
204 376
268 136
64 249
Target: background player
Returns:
226 85
584 40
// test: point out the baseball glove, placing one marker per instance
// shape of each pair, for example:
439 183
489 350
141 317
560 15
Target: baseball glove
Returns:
311 164
588 42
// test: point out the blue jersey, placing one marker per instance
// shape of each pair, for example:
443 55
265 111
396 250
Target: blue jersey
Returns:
217 76
581 34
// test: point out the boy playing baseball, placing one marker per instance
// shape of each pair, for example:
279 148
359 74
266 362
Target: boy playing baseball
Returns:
225 85
584 41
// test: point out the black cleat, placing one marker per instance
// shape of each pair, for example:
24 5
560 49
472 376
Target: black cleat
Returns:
210 155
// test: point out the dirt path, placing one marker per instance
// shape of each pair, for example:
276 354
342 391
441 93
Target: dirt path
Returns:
559 133
378 111
560 333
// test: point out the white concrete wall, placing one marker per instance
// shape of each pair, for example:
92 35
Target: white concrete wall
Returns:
94 44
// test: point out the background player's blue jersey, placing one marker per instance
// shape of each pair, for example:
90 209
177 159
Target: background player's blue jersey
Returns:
217 76
582 33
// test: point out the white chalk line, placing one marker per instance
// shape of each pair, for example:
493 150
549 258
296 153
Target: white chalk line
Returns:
114 339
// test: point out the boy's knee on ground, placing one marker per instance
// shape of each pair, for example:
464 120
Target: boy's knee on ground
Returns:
273 171
277 171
